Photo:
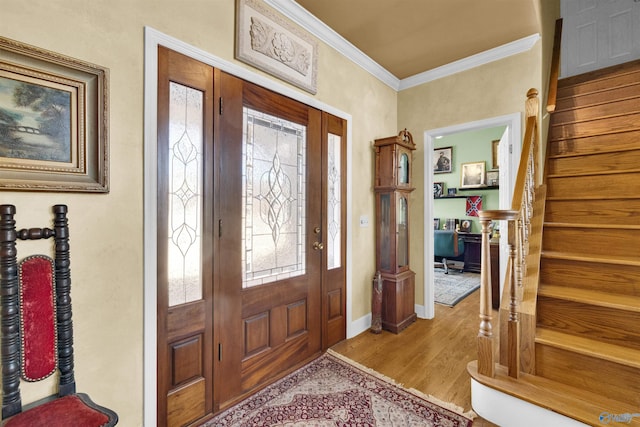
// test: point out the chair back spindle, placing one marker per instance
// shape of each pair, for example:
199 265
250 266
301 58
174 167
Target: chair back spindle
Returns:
37 328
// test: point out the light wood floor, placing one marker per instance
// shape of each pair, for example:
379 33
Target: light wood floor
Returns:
430 355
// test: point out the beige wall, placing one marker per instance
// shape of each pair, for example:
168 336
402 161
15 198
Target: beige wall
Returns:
107 230
495 89
491 90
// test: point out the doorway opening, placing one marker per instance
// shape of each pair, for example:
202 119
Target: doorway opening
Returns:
508 157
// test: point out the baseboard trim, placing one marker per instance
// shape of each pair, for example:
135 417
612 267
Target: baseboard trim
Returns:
360 325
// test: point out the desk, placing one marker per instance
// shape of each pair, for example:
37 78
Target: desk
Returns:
472 262
472 251
495 275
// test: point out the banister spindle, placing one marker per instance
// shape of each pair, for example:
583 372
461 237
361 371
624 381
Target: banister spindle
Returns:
515 281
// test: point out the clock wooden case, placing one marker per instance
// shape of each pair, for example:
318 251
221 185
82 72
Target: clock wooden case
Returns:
392 187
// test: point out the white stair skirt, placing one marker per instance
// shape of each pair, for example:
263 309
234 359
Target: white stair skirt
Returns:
508 411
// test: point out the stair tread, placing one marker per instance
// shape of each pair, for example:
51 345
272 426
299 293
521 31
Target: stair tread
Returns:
589 347
591 119
604 259
585 198
591 225
592 153
587 296
594 103
615 131
573 402
607 73
591 173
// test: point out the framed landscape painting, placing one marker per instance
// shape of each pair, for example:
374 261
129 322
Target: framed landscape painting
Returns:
53 121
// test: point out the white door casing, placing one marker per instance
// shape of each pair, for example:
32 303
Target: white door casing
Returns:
509 155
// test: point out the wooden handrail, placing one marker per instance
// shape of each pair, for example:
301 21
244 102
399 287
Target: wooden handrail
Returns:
519 229
555 68
519 220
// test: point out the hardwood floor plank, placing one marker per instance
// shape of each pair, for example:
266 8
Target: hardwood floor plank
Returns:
430 356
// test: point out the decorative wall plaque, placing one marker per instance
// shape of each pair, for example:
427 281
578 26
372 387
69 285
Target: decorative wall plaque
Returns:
269 42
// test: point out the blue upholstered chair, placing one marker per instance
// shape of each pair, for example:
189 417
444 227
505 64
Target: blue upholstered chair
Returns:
448 246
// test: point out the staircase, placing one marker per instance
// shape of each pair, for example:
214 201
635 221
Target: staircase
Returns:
588 307
579 304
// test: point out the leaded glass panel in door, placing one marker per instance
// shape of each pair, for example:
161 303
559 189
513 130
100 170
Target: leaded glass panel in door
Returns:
185 194
274 198
334 202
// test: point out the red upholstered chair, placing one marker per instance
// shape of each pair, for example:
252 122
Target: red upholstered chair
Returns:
37 332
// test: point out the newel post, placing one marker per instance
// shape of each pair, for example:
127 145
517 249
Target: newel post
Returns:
532 109
486 346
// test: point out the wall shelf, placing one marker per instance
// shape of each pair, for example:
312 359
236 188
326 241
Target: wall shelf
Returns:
451 197
488 187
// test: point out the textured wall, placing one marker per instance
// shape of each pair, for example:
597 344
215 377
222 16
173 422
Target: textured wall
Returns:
495 89
107 230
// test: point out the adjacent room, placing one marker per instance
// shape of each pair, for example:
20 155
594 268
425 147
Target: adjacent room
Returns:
456 204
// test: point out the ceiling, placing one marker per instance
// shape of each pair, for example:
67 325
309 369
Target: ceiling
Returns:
408 37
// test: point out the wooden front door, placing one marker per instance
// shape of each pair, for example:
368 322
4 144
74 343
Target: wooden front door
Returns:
272 234
251 237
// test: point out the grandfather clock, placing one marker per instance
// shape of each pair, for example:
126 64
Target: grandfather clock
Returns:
392 187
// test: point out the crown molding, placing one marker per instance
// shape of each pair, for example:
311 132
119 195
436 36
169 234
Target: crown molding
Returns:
482 58
319 29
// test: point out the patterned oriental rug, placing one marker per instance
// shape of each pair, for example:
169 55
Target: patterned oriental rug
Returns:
335 391
452 288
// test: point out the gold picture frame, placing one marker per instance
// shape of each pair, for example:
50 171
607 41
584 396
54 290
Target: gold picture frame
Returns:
54 126
472 175
268 41
495 162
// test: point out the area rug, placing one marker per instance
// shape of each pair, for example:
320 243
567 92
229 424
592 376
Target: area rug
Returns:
335 391
452 288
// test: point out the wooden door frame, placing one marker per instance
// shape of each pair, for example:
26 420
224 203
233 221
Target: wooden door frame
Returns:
153 39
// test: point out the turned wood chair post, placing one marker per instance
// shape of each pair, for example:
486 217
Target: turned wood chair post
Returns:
486 352
11 400
63 300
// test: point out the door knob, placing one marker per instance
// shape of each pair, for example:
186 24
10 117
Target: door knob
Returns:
318 246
